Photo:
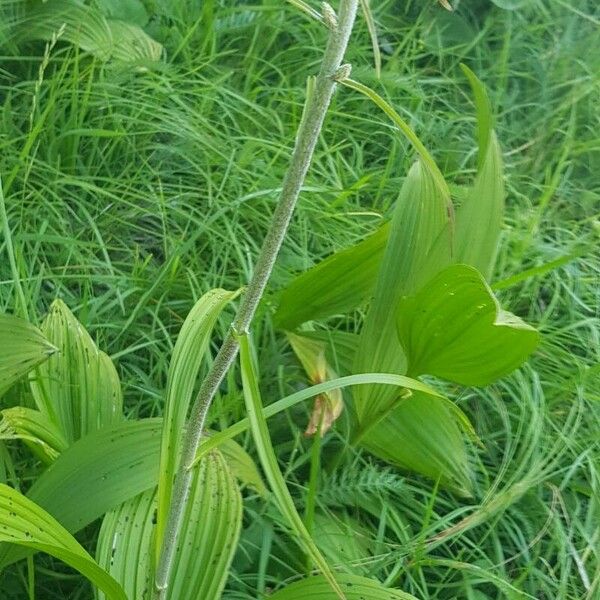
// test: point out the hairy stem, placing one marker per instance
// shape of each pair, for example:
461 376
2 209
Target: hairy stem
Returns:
315 108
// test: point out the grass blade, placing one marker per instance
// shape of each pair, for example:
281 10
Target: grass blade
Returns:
268 460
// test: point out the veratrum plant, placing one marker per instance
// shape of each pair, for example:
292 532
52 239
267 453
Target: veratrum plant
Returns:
167 491
431 309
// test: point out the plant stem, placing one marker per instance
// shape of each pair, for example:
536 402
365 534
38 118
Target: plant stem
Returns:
315 108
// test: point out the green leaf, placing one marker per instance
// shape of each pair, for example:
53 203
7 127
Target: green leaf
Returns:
511 4
215 440
479 218
24 523
454 328
484 114
78 388
336 285
96 474
131 11
201 565
86 27
420 217
37 431
423 434
190 349
355 588
344 541
106 468
22 348
268 460
242 466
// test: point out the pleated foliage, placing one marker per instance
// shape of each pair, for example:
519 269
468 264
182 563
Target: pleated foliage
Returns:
78 388
212 522
22 348
430 311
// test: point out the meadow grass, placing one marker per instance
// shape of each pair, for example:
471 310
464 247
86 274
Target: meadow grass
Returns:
129 194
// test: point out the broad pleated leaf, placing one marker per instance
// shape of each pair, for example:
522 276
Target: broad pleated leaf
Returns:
38 432
86 27
212 523
108 467
190 349
24 523
96 474
454 328
354 587
424 434
479 218
336 285
268 460
22 348
77 388
420 217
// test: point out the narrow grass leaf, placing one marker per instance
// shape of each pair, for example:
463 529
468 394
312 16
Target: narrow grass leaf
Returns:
190 349
201 567
22 348
268 459
24 523
454 328
336 285
355 588
77 388
216 439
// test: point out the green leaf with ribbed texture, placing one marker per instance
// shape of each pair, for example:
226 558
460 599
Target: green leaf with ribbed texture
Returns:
212 524
336 285
86 27
420 217
190 349
268 460
454 328
424 434
242 466
78 388
479 218
97 473
22 348
38 432
24 523
124 545
355 588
